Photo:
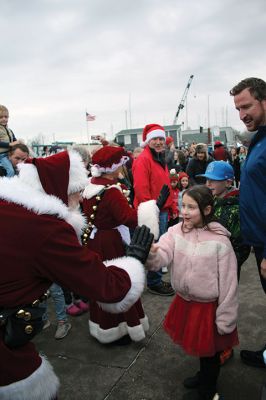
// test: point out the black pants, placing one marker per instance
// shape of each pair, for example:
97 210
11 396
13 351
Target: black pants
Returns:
259 256
209 372
68 296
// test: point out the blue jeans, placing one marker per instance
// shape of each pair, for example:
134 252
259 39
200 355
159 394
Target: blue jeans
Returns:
59 303
155 278
6 164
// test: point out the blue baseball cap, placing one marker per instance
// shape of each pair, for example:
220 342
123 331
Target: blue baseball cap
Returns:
218 171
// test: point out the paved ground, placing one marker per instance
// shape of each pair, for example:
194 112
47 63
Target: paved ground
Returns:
153 369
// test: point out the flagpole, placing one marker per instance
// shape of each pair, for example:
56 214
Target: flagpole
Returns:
88 134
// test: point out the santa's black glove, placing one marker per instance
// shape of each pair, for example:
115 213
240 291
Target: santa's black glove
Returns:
140 244
163 196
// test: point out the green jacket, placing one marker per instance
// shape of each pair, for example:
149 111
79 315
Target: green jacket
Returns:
226 210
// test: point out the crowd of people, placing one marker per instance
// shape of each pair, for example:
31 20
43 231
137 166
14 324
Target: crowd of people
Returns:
97 219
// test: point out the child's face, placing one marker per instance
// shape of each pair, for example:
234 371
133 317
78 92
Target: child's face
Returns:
174 184
201 156
184 182
191 212
218 188
4 118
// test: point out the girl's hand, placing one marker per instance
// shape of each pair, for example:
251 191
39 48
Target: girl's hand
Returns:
154 248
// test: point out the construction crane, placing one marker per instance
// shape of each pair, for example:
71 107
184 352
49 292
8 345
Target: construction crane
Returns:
182 102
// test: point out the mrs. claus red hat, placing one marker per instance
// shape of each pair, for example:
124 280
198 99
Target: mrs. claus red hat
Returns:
107 160
152 131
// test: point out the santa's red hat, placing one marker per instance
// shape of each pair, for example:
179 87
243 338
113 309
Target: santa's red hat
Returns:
152 131
59 175
107 160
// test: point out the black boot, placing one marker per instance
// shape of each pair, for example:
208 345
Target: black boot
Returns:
123 341
253 358
195 395
192 382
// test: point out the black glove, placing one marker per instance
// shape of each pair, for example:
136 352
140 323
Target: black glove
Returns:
140 244
163 196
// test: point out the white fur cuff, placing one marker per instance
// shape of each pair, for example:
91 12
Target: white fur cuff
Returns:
41 384
135 270
148 214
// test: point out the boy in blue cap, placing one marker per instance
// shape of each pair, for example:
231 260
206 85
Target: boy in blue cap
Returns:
219 178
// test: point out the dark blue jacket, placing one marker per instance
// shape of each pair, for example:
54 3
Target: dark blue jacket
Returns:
253 192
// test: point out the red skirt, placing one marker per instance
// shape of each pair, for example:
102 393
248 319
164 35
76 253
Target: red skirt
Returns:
192 325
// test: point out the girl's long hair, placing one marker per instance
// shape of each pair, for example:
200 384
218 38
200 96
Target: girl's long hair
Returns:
203 197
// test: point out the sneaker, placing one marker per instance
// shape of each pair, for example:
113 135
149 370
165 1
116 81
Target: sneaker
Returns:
84 307
73 310
226 355
46 324
163 289
167 284
192 382
62 330
164 270
253 358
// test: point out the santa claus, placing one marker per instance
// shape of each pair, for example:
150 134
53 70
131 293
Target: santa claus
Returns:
40 244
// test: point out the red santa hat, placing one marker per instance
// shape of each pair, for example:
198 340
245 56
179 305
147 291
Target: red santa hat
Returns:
182 175
152 131
107 160
169 140
60 174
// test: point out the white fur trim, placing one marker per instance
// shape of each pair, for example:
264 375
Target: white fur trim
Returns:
136 333
92 190
78 175
135 270
148 214
97 170
152 135
27 191
42 384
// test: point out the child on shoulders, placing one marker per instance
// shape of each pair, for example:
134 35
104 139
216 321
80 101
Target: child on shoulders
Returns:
7 139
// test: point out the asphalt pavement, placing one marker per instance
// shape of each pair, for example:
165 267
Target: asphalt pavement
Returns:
154 368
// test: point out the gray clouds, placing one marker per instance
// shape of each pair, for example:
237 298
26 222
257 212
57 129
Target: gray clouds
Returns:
61 57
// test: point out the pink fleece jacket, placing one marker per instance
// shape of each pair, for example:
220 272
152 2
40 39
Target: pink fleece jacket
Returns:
203 268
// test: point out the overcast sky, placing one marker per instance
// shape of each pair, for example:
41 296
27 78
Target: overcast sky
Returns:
125 61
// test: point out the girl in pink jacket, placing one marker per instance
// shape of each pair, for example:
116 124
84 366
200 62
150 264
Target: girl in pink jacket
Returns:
202 317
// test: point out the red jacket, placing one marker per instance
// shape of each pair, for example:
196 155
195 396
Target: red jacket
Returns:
149 177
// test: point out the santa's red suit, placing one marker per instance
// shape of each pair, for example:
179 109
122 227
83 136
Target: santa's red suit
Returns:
112 219
40 245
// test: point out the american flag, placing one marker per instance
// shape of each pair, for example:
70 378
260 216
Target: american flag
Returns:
90 117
